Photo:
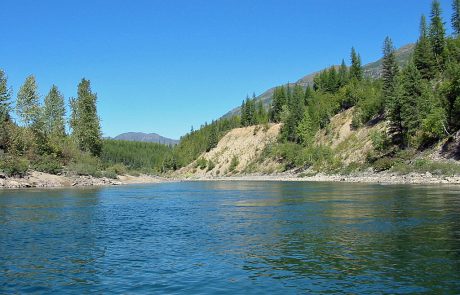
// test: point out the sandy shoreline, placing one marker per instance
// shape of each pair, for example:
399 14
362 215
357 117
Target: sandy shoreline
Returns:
44 180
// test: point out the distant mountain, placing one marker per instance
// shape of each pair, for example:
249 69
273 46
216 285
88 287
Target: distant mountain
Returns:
146 137
372 70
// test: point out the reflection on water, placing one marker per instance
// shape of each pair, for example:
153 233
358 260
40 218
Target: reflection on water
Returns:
232 237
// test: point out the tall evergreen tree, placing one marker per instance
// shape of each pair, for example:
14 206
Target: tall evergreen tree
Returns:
244 112
456 17
411 100
85 121
261 113
296 110
391 91
389 69
308 95
213 139
5 95
423 53
437 32
343 74
356 71
54 112
279 100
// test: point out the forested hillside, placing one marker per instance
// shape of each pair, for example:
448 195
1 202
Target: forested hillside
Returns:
416 93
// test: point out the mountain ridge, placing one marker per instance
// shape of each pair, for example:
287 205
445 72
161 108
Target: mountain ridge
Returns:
371 70
146 137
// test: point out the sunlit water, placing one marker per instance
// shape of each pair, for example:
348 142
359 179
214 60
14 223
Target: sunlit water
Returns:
233 238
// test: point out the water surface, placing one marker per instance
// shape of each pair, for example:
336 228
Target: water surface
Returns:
232 238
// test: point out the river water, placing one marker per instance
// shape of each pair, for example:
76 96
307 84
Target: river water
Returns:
231 238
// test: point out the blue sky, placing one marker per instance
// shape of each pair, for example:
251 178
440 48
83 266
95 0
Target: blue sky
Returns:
163 66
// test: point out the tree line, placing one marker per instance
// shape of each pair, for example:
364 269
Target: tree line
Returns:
37 134
421 100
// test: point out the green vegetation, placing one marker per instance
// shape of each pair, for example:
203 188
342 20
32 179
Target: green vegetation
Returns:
420 100
139 156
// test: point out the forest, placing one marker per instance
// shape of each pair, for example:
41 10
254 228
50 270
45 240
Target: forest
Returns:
420 100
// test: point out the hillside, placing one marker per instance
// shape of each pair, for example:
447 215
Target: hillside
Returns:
235 152
146 137
371 70
249 151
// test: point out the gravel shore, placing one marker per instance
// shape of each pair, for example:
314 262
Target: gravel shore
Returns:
44 180
383 177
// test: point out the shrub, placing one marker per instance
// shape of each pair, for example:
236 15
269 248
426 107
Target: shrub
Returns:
14 166
201 163
109 174
48 164
380 140
350 168
86 164
211 165
383 164
117 169
234 163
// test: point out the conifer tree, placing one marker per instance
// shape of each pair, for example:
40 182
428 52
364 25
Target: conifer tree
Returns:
85 121
437 32
389 69
244 120
423 53
279 100
213 139
411 100
456 17
356 71
5 95
391 91
343 74
261 113
54 112
308 95
296 110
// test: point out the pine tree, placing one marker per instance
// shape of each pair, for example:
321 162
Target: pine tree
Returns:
389 69
5 95
54 112
391 90
27 104
333 82
356 71
244 120
261 113
213 139
423 53
296 110
411 102
437 32
456 17
85 121
279 100
308 95
343 74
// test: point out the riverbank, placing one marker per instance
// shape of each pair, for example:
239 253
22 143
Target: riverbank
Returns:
45 180
368 177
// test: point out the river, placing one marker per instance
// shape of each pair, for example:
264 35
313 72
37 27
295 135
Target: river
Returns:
231 237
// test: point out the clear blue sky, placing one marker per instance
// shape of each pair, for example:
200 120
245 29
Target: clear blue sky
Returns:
163 66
